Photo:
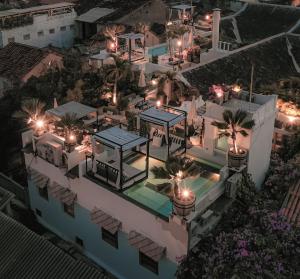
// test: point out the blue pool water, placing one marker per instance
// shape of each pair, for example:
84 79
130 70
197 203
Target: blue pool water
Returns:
158 201
156 51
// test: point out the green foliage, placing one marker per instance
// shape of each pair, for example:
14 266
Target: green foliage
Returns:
252 240
175 164
232 125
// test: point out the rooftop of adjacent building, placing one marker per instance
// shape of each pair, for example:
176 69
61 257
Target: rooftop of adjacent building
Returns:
24 254
16 60
35 10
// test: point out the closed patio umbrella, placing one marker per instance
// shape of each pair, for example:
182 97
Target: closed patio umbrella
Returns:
192 114
142 81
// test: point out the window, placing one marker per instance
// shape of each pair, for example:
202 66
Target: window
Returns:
38 212
148 263
63 28
72 27
11 40
43 192
40 33
79 241
69 209
110 238
51 31
26 37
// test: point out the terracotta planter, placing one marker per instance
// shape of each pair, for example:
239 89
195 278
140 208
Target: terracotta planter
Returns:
184 206
236 160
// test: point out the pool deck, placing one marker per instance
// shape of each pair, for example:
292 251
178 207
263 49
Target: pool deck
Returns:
145 193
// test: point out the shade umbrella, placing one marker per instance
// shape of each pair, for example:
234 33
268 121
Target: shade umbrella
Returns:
55 105
192 114
142 81
191 38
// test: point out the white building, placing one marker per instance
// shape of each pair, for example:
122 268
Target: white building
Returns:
39 26
99 191
259 141
117 220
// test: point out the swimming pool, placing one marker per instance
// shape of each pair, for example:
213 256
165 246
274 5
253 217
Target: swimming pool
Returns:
146 194
159 50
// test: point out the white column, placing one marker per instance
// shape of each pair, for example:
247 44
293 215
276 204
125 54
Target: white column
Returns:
216 28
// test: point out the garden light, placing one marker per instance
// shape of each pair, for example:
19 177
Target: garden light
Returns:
39 123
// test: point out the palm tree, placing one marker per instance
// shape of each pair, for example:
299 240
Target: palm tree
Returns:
111 32
32 109
175 167
120 69
71 124
233 125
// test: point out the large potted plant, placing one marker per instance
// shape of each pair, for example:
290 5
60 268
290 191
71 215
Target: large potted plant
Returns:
234 124
177 169
71 125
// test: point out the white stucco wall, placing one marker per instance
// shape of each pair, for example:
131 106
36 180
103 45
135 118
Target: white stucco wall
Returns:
171 235
62 39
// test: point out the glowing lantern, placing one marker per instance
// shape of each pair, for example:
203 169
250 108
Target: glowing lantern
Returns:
207 17
154 82
236 88
39 123
179 174
179 43
185 193
158 103
291 118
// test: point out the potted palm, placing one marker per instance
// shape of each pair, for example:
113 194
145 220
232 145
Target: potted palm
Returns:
233 125
71 126
33 111
177 169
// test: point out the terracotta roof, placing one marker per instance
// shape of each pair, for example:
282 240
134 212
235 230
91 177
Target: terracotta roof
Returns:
291 207
24 254
16 60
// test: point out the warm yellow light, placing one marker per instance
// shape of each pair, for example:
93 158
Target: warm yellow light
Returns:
186 193
179 174
158 103
236 88
154 82
112 45
29 120
179 43
169 23
219 94
72 138
291 118
207 17
114 98
39 124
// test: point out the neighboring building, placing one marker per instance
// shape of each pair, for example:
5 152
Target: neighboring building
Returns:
24 254
147 11
87 23
20 62
94 20
39 26
155 35
286 126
